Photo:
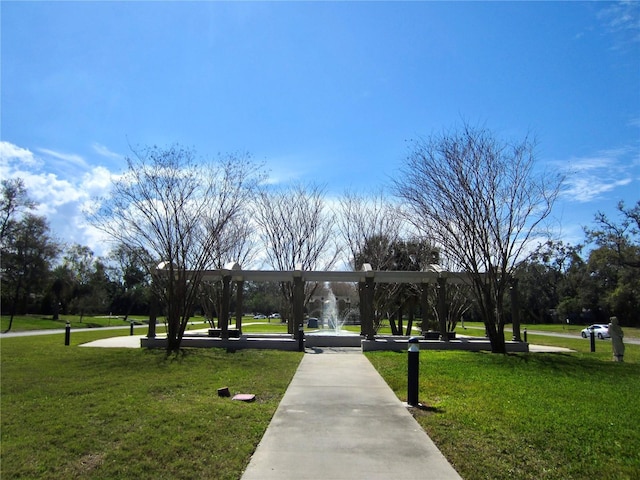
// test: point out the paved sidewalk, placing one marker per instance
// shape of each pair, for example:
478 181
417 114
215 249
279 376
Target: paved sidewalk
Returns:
339 420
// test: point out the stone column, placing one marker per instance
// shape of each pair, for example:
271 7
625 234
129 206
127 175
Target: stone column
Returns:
298 303
369 286
239 298
153 314
223 314
442 308
424 305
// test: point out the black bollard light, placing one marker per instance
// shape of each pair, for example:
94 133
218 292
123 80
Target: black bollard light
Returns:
67 333
525 335
131 329
592 336
301 339
413 369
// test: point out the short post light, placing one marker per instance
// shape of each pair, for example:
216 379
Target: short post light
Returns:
130 328
67 333
413 370
592 336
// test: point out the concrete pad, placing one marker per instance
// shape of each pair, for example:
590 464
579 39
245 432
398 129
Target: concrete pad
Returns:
132 341
339 419
548 349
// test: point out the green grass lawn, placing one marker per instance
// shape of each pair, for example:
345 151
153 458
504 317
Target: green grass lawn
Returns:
528 416
72 412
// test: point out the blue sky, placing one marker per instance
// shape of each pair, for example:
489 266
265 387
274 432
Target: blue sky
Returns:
329 92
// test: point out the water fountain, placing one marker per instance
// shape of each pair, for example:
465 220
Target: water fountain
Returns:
331 333
330 315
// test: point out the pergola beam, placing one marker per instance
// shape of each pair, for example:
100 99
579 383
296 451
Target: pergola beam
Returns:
379 276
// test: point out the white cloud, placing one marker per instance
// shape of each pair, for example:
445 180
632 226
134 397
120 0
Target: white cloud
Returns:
97 181
12 153
282 171
622 20
588 178
591 187
68 158
105 152
62 193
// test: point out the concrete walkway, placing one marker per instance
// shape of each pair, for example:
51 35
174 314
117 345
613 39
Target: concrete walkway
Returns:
339 420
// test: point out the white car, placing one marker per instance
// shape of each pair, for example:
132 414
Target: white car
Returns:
600 330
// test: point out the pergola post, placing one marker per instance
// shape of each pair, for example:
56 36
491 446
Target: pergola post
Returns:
298 301
424 306
153 315
239 308
223 314
366 290
442 308
515 309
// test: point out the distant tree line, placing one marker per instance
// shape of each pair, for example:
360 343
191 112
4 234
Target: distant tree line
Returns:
463 200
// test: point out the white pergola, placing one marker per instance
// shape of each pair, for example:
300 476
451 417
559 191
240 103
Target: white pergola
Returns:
366 278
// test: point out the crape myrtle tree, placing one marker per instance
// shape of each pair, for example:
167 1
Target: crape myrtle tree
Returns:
296 229
362 219
483 202
369 225
236 242
458 296
413 254
174 206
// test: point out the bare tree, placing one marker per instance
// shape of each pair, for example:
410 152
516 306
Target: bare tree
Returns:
296 230
366 221
483 203
238 243
176 208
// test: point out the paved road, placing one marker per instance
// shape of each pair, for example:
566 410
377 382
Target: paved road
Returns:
634 341
575 336
52 331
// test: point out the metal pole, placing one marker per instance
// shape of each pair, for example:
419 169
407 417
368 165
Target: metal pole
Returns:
67 333
131 328
525 335
413 368
592 335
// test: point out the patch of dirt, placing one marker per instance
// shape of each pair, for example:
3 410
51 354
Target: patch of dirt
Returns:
88 463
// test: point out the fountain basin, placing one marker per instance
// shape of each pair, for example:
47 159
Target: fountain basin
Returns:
332 338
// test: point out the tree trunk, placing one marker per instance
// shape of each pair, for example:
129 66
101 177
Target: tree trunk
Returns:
392 324
496 337
410 318
13 306
10 321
